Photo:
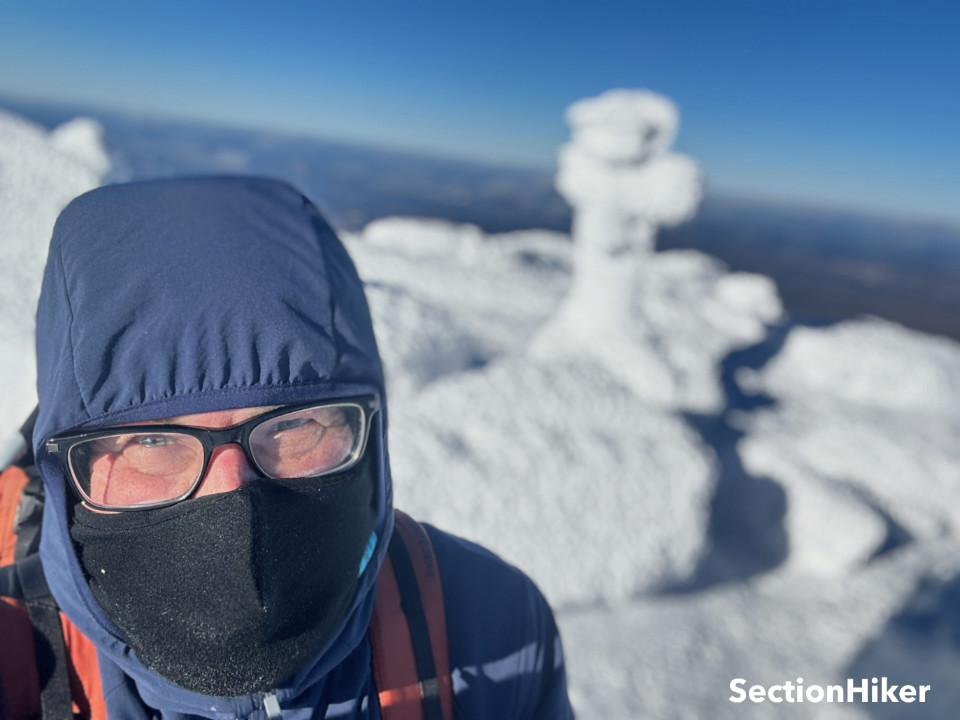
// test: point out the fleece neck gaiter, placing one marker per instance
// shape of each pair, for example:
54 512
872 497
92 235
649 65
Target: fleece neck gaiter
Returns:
233 593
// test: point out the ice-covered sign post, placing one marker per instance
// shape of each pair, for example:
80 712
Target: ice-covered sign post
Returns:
657 322
620 177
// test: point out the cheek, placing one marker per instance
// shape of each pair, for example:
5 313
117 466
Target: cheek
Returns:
101 471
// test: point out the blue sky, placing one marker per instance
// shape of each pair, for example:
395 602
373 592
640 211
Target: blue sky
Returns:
843 102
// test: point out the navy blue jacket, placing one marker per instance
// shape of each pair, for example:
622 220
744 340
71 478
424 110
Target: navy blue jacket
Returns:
176 297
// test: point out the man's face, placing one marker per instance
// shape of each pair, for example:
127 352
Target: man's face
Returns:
281 559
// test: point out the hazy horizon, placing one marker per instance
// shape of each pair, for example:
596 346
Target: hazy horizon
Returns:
808 101
22 104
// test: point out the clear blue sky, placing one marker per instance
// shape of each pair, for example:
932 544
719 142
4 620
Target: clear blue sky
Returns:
846 102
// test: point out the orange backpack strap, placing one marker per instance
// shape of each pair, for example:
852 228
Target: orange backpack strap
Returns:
411 661
48 668
22 695
12 482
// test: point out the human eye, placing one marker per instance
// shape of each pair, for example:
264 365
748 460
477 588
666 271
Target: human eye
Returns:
154 441
287 424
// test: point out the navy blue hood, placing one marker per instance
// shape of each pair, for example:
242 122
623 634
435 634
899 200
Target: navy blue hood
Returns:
176 297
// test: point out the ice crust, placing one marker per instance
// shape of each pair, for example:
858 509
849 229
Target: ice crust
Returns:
542 415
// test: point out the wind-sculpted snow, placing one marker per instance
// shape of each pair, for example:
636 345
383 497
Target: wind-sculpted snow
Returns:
40 172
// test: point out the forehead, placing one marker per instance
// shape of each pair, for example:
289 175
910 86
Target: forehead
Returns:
218 418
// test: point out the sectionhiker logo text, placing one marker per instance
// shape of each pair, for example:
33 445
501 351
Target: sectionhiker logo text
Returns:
862 690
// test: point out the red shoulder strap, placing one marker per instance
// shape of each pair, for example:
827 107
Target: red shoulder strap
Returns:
394 634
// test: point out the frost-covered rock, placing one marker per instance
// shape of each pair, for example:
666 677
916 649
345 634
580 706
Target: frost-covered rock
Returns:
82 140
527 457
871 363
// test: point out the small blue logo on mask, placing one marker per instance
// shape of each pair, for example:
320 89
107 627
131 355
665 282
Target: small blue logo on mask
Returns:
368 553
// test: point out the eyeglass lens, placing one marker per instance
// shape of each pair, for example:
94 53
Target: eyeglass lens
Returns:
142 468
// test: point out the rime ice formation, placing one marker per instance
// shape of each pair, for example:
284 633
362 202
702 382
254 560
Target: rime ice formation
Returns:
618 173
40 172
864 433
658 322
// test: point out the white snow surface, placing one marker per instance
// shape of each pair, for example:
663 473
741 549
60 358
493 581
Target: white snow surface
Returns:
866 427
40 172
576 465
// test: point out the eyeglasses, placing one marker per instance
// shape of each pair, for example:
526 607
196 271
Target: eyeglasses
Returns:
149 466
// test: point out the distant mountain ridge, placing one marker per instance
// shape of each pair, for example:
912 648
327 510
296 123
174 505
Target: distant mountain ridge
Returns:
828 264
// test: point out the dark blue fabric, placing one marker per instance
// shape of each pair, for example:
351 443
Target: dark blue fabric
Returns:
174 297
505 651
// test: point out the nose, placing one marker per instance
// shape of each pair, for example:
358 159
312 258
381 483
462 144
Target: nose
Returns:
228 469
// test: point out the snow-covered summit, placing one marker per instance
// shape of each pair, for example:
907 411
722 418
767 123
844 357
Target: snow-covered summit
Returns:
538 390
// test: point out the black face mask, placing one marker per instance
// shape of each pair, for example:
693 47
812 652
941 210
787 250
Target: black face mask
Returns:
234 593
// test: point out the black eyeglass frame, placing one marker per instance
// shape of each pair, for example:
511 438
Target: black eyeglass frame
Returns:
60 446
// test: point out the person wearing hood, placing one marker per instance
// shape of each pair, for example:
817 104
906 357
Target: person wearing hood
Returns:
212 439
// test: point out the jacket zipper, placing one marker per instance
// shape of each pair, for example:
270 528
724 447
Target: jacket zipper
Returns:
272 706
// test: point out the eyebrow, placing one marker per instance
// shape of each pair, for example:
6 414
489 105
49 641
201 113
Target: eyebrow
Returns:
176 421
